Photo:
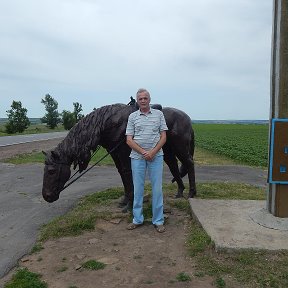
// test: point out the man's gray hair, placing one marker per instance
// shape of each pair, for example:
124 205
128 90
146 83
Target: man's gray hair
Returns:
140 90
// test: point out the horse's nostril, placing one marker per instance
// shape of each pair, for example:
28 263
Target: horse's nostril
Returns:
48 197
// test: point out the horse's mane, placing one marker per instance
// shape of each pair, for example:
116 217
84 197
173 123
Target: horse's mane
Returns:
84 136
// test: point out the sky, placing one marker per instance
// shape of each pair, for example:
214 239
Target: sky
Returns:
209 58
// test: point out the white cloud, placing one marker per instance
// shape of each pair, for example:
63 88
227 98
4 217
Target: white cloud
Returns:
100 52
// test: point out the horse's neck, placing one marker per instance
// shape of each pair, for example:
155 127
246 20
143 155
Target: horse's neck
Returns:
81 139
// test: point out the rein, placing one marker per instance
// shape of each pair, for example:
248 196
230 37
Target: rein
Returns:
79 176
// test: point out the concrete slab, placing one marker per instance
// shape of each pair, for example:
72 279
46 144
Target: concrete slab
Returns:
240 224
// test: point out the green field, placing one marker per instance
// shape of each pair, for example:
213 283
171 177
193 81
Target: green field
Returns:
33 129
243 143
247 144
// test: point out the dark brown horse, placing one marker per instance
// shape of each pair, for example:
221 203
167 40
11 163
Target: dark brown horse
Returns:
106 126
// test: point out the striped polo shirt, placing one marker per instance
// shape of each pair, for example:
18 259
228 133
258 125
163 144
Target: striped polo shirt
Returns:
145 129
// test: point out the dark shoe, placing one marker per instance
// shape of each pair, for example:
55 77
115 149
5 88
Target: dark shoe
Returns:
133 226
160 228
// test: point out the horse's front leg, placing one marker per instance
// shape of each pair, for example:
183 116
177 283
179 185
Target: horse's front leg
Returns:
123 164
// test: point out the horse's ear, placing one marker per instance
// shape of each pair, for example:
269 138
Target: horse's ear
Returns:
55 155
44 153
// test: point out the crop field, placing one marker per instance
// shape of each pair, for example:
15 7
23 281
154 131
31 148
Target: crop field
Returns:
247 144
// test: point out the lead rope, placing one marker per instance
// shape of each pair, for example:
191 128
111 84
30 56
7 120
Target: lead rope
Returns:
108 153
98 147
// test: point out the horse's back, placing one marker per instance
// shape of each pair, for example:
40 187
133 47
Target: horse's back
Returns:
178 122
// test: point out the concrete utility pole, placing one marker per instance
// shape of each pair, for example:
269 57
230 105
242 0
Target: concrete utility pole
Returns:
277 202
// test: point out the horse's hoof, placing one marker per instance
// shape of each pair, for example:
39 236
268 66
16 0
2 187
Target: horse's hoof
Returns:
124 201
122 204
127 208
179 196
191 195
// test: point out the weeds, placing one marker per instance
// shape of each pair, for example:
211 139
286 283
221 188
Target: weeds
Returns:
93 265
220 283
183 277
25 279
36 248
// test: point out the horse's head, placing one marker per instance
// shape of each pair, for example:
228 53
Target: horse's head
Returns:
56 174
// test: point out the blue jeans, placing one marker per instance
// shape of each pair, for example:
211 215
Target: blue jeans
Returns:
155 171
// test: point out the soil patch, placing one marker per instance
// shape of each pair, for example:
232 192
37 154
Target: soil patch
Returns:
138 258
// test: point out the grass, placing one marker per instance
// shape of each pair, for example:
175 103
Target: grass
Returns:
223 190
206 157
220 283
82 217
25 279
198 241
36 248
33 129
202 157
249 267
38 157
183 277
93 265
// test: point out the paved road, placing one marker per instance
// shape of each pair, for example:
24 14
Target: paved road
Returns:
23 210
20 139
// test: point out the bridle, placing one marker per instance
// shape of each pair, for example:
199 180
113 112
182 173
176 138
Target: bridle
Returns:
85 171
71 180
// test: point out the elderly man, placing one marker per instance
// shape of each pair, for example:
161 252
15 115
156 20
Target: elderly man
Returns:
146 134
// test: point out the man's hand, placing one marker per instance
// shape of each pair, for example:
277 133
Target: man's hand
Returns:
149 155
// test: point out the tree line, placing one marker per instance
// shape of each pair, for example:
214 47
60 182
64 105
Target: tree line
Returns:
18 120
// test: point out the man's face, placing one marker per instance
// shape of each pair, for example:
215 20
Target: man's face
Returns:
143 100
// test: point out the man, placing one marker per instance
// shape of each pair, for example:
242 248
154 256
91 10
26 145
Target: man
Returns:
145 135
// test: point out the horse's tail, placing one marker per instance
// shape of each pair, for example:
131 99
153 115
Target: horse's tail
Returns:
183 169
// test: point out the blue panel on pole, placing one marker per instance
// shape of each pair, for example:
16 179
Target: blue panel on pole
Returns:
278 160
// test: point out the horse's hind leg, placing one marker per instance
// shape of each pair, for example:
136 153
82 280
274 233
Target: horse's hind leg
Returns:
171 161
188 163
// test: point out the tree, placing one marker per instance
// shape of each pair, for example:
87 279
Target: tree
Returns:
68 119
77 110
51 118
17 118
